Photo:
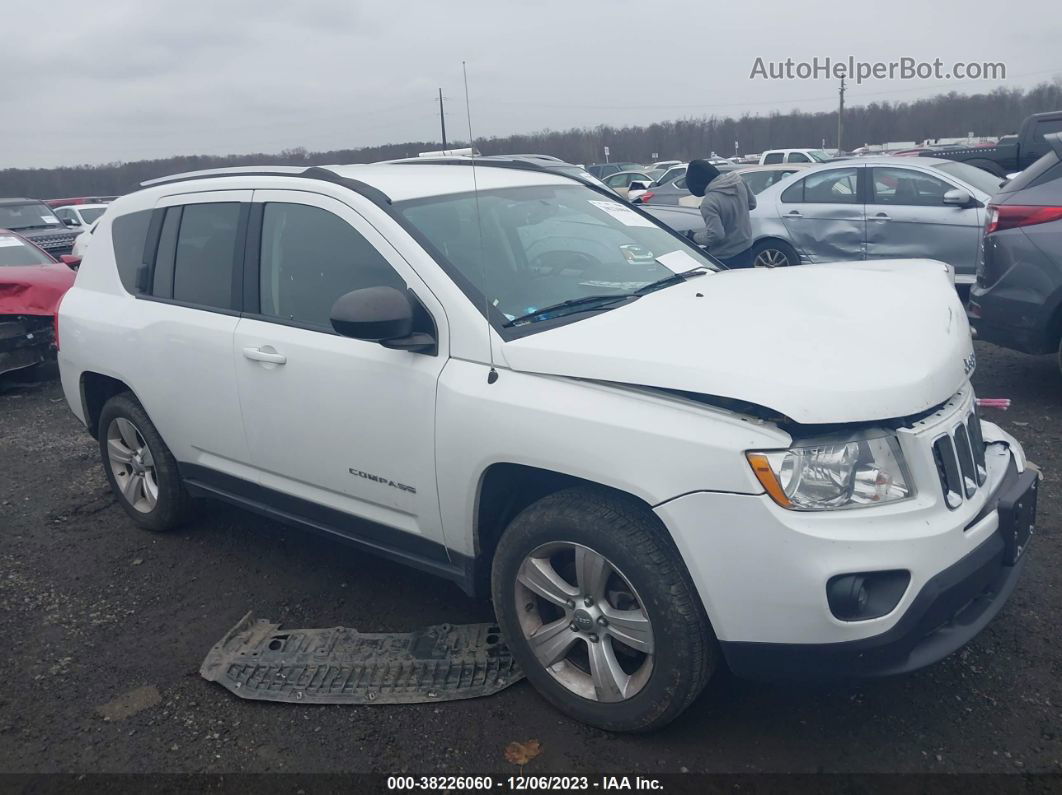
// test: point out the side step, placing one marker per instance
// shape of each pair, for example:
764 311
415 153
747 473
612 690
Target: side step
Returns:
257 660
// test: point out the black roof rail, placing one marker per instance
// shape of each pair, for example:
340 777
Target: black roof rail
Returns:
515 163
375 195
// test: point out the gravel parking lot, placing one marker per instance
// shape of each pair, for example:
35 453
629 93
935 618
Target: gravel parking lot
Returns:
105 626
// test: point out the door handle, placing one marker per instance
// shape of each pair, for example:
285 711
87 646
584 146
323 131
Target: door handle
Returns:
793 214
881 217
261 355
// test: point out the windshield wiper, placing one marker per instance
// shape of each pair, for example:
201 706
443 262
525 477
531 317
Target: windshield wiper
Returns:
587 302
673 278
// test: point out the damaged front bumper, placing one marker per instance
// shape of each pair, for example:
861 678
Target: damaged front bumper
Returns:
25 340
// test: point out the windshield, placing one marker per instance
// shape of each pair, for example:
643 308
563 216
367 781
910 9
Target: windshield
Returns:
543 245
25 216
818 155
972 175
16 252
90 214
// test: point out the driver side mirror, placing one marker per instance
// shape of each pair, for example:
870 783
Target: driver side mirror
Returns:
381 314
71 261
638 184
71 221
958 198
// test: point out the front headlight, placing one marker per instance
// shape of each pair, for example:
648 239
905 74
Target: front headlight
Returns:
844 474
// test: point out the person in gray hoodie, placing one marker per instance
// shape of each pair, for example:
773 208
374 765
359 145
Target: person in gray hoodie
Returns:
725 209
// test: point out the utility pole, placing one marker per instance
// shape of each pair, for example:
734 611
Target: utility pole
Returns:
442 119
840 117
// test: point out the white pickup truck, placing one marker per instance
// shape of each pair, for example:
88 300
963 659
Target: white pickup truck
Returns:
655 466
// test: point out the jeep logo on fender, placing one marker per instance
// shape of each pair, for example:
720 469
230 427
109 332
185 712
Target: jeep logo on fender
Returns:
969 364
394 484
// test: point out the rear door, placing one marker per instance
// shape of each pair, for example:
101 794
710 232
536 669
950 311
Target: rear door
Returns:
824 214
187 375
337 427
907 217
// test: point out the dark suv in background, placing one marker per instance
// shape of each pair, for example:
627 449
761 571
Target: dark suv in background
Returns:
1017 300
36 221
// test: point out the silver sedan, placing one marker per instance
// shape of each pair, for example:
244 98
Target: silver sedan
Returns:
871 208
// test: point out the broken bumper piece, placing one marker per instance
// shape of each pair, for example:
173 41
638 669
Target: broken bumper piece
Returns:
25 340
257 660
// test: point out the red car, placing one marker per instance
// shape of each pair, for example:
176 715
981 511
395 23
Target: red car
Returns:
32 283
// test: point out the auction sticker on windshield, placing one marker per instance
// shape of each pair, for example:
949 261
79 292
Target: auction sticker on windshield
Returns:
7 242
625 215
679 261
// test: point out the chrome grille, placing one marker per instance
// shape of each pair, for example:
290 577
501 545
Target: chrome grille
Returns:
960 459
54 241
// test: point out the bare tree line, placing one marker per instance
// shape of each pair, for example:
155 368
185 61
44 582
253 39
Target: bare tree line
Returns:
946 115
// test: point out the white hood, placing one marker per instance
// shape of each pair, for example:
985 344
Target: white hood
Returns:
839 342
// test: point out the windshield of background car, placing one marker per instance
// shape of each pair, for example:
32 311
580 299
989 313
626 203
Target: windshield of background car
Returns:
15 252
90 214
25 216
819 156
575 171
972 175
541 245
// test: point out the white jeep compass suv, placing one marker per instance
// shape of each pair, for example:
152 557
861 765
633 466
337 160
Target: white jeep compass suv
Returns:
503 376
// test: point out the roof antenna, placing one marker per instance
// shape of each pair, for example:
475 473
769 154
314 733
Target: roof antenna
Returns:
492 375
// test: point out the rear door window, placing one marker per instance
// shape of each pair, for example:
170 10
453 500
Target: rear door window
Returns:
204 261
836 186
773 157
798 157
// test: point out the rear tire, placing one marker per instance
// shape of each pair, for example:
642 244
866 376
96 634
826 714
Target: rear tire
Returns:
773 254
587 542
140 467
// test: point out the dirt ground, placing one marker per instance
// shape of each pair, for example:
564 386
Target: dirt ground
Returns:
104 627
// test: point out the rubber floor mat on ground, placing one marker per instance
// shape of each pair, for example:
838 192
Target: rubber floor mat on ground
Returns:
258 660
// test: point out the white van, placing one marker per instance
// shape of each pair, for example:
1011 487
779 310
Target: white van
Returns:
655 466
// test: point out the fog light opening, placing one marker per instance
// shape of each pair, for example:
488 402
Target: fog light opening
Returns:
865 595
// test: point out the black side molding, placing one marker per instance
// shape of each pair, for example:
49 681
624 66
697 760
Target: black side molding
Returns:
401 547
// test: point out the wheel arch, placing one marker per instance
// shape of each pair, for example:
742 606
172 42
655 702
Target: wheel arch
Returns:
779 240
507 488
96 389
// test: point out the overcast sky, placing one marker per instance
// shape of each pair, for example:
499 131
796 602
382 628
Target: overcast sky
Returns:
113 80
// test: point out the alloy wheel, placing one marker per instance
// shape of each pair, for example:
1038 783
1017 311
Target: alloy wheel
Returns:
584 622
771 258
132 465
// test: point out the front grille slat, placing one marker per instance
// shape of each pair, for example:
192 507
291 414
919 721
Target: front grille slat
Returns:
966 461
977 444
948 469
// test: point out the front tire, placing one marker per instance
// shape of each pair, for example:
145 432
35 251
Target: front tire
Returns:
140 468
599 611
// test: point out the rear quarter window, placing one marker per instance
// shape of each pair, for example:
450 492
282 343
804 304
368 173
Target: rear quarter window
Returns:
129 237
